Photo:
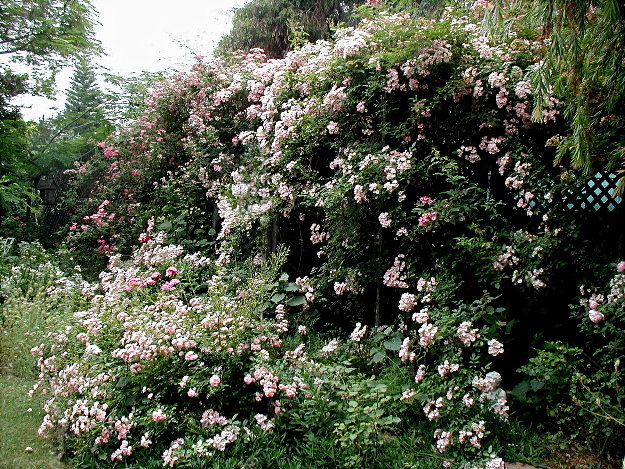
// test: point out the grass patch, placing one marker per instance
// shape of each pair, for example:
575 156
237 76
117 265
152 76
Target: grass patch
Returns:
23 322
19 428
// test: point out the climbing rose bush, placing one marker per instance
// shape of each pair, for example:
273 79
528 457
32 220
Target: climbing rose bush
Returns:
164 362
154 361
403 169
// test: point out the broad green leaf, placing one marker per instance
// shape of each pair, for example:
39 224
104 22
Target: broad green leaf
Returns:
278 297
393 344
297 301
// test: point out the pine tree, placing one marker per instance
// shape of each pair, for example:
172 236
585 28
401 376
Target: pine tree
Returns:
74 133
83 111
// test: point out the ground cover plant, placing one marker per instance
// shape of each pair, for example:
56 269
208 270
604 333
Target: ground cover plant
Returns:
363 247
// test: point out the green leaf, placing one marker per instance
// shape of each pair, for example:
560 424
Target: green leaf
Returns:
393 344
123 381
297 301
278 297
521 389
377 357
380 388
536 385
510 326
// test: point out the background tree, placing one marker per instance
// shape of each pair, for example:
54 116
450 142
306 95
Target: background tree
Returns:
85 100
45 35
127 95
277 25
584 65
15 163
73 134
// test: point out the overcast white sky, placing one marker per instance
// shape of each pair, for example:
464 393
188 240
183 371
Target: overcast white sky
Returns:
149 35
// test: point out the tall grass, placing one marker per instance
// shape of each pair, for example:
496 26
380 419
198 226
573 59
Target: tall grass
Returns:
35 297
24 321
27 310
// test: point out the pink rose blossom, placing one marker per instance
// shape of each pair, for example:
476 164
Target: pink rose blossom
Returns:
427 217
595 316
111 152
158 415
420 374
169 286
359 194
214 380
467 335
407 302
495 347
359 332
340 288
404 351
427 333
495 463
145 440
384 220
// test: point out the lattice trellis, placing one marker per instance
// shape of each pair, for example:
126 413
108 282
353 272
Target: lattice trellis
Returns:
597 194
